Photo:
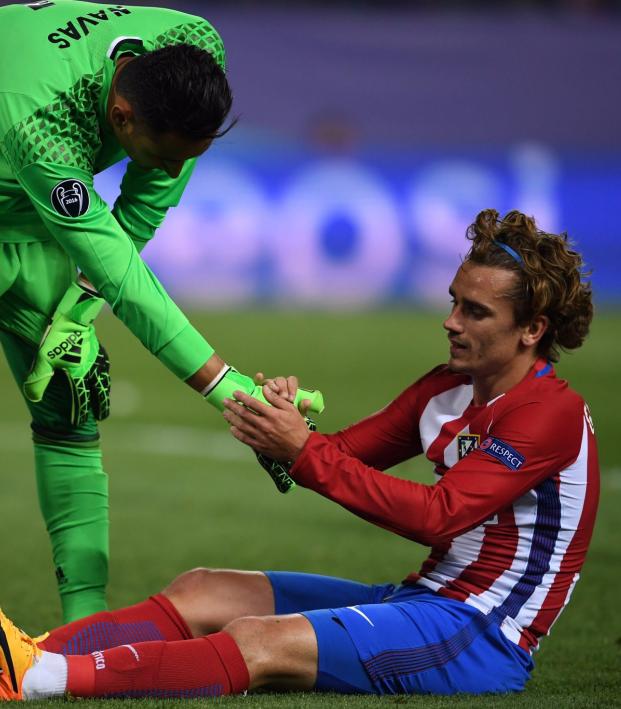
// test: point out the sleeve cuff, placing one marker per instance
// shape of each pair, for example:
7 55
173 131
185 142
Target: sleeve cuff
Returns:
301 471
186 353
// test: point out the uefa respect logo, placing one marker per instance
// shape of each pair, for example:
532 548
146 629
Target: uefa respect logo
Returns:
503 452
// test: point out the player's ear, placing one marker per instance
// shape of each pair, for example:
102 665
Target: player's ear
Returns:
535 330
121 116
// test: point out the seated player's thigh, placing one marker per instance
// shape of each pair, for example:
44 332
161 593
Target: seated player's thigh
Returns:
428 644
209 599
297 592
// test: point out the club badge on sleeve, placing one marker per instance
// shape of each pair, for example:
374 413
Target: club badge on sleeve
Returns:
70 198
466 443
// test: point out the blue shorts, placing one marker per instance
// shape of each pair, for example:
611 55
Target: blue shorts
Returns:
386 639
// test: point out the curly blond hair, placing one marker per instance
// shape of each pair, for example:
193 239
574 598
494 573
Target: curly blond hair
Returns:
550 277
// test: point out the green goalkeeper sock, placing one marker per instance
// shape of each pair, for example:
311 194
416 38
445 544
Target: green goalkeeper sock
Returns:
73 494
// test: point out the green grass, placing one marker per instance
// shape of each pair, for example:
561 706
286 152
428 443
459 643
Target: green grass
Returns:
184 493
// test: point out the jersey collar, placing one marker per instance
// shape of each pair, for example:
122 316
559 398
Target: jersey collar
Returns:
119 47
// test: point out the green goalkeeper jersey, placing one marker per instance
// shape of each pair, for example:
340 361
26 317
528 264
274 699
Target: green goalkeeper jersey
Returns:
57 60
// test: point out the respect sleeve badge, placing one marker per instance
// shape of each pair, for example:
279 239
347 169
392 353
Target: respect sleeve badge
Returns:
503 452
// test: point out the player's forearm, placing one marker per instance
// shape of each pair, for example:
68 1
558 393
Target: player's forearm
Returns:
145 198
423 513
187 354
386 437
201 379
378 498
142 304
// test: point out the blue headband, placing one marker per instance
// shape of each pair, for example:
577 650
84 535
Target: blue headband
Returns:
514 254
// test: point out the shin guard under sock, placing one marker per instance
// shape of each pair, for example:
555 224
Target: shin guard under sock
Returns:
153 619
73 494
210 666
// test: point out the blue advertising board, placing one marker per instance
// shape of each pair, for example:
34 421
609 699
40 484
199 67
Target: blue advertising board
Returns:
281 223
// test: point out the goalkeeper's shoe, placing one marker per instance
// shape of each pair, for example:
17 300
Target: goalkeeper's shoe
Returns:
18 652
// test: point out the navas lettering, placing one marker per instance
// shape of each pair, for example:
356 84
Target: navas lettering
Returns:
82 26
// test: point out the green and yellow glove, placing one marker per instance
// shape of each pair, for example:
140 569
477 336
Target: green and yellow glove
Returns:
70 345
231 380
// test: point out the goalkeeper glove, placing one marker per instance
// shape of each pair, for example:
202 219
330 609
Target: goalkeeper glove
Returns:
230 380
279 472
70 345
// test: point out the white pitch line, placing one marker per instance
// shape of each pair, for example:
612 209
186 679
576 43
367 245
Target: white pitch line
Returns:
144 438
182 442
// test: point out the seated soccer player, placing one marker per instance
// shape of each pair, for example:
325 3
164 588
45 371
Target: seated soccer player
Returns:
509 520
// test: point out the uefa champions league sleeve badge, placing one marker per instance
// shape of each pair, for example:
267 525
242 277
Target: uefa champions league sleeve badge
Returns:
70 198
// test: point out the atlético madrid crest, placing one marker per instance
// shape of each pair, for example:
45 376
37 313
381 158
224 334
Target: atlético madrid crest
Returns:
466 443
70 198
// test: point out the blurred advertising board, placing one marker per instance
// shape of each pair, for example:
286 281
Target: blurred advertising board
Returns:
285 224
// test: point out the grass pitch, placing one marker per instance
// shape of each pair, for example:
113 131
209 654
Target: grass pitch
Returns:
183 493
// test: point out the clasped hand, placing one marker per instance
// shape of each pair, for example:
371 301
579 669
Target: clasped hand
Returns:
278 431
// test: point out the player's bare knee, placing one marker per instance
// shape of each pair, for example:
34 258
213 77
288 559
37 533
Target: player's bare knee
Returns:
252 635
188 585
190 593
279 651
208 599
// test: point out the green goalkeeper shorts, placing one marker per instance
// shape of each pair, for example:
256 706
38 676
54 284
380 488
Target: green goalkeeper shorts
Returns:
33 278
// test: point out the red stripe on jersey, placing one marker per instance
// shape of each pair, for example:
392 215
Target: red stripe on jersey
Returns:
573 559
497 552
453 592
436 556
435 452
528 641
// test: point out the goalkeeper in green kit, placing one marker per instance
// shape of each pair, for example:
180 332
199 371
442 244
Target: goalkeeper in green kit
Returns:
82 86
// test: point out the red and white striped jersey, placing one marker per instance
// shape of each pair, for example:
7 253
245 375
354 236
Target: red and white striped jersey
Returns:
511 513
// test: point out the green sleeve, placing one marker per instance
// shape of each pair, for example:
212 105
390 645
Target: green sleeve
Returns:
107 256
146 196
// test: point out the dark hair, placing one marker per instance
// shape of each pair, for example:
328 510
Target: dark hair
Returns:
178 89
549 276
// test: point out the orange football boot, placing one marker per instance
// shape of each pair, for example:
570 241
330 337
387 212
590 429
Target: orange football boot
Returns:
18 651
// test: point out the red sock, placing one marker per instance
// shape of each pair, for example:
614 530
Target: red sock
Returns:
153 619
210 666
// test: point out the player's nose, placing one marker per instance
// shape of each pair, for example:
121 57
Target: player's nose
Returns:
452 322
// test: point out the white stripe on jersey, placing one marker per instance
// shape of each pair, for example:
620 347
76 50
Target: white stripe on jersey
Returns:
424 581
570 590
464 550
441 409
451 452
525 515
511 630
572 494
